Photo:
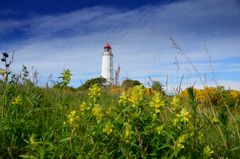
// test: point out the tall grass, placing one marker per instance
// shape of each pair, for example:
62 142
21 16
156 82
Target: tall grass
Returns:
116 122
61 123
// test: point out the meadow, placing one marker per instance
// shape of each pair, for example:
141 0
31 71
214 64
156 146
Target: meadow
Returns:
129 121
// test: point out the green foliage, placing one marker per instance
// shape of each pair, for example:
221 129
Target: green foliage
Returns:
64 79
128 83
5 72
99 81
60 123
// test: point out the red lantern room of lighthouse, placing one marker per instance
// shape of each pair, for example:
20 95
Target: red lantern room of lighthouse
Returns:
107 63
107 47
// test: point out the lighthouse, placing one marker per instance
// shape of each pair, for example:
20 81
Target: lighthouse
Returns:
107 64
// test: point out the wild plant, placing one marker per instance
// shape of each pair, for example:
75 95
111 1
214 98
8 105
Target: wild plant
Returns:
59 123
7 64
65 78
215 113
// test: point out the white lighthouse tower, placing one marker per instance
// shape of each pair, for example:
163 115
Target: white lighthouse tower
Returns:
107 64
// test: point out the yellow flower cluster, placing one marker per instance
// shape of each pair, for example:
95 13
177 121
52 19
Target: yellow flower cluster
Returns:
179 143
200 137
110 112
83 106
159 129
108 128
97 111
176 103
72 118
123 99
127 132
94 92
136 95
66 77
17 101
182 117
215 120
208 152
157 102
32 140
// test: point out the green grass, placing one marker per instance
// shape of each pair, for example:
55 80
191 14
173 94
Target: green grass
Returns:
53 123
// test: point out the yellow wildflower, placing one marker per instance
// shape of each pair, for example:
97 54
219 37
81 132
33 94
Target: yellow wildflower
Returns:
109 111
123 99
159 129
127 132
200 137
184 115
97 111
83 106
208 152
17 101
215 120
157 102
94 92
136 95
179 143
107 128
32 140
72 118
175 103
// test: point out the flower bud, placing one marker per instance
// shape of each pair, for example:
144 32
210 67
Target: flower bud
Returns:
5 54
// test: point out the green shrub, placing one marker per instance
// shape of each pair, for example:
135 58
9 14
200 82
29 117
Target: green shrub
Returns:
128 83
99 81
59 123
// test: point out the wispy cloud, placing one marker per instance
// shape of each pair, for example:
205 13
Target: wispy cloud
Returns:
140 39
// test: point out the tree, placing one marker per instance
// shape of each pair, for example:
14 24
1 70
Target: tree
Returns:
128 83
99 81
157 86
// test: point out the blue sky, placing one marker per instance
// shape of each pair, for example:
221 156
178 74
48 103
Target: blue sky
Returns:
53 35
